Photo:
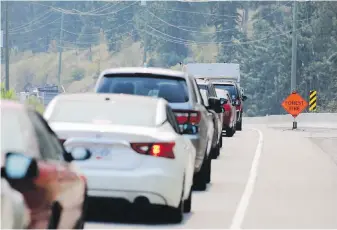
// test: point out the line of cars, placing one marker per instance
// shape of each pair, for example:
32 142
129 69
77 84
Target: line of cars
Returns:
146 136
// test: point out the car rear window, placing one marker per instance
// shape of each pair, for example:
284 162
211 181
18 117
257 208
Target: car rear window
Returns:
105 112
221 94
174 90
230 88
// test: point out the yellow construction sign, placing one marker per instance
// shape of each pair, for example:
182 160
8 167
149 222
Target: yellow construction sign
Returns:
313 100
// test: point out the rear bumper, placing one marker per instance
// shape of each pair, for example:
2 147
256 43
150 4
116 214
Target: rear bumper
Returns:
156 184
200 153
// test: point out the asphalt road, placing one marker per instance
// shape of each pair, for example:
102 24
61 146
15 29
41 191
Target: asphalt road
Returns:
266 177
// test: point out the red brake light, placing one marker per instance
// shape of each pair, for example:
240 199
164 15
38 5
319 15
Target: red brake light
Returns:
226 107
155 149
182 118
187 116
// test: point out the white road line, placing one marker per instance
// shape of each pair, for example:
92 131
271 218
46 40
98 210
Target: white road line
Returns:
244 202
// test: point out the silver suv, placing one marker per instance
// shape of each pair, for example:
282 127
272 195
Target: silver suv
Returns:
181 91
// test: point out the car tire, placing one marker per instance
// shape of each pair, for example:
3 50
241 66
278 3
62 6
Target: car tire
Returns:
188 203
215 152
230 132
239 125
209 170
55 216
176 215
199 179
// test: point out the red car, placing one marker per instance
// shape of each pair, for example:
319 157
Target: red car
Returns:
236 96
36 165
229 115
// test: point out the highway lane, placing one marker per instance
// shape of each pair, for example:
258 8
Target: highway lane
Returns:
292 184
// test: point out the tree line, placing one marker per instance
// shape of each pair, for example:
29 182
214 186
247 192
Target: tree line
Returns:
257 35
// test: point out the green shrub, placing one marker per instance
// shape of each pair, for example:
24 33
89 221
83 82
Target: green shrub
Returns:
7 94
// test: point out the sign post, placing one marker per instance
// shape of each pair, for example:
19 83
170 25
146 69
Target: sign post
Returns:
294 104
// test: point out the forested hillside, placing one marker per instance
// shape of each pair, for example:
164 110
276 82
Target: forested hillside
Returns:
98 35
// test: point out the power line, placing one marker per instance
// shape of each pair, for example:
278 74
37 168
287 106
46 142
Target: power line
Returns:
27 31
194 12
206 32
72 12
230 43
108 43
99 33
32 22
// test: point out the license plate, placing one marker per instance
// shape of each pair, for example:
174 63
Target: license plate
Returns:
100 153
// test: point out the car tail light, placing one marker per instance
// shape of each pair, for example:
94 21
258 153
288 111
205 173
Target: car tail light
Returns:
155 149
62 141
227 107
187 116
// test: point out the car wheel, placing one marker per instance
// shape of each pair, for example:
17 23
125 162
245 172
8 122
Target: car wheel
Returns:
215 152
199 179
55 216
175 215
239 125
188 203
209 170
229 132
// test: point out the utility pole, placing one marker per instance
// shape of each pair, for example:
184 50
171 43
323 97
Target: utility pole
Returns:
7 46
60 52
143 3
294 48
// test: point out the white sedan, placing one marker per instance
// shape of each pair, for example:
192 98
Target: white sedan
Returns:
139 152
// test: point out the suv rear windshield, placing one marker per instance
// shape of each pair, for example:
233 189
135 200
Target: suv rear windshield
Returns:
174 90
230 88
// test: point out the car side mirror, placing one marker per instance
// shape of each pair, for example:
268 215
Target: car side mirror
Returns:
189 129
77 154
214 104
19 166
223 101
244 98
